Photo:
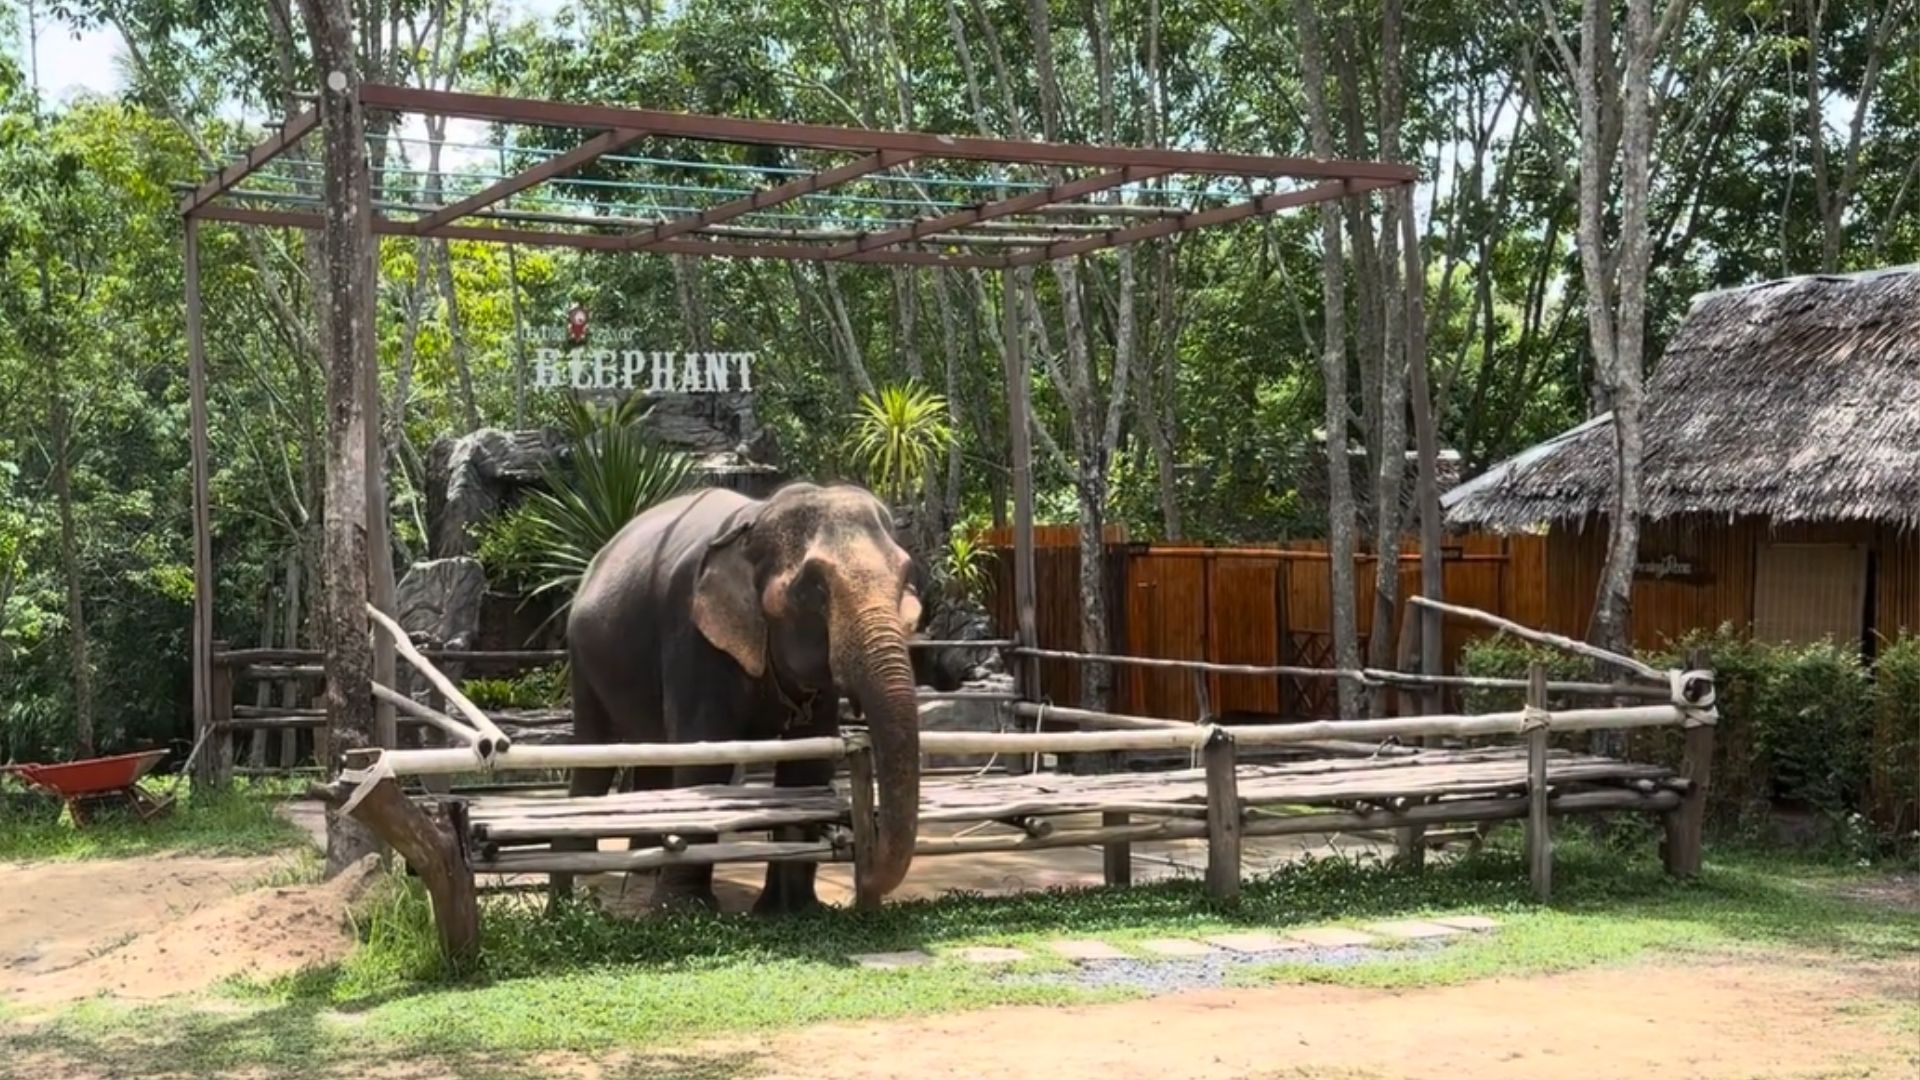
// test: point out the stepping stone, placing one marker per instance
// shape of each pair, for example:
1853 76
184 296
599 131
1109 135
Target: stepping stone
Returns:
1467 922
1085 951
1182 947
1332 937
1254 944
890 961
989 954
1413 929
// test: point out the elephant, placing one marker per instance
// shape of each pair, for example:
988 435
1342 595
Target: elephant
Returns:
713 616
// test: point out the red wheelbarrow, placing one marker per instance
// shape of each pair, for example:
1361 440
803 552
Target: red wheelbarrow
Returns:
87 785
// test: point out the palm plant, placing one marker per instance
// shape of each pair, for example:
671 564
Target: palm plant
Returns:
614 474
896 436
962 567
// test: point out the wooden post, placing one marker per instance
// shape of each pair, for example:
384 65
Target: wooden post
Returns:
1685 826
1539 839
214 767
866 828
1223 816
1020 441
433 841
1410 841
201 648
1116 858
290 637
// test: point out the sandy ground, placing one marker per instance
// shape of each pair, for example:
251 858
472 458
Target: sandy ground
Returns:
147 928
150 927
1702 1020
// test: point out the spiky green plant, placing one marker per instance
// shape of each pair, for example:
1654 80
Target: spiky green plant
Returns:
897 434
962 568
613 474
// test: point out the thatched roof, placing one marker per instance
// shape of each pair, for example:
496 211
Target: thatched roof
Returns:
1794 400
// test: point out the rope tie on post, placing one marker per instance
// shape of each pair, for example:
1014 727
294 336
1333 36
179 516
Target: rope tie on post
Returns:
1694 694
364 781
1533 719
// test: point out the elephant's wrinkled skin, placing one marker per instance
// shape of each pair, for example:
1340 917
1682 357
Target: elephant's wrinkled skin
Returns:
716 617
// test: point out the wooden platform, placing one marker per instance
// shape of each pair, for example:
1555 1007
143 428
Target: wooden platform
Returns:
511 834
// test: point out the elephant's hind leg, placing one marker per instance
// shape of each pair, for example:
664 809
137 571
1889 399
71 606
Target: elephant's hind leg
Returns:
589 725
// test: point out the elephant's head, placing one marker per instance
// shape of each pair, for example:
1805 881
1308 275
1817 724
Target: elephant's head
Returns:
811 588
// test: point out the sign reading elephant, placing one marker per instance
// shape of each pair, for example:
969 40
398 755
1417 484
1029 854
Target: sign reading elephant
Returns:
715 617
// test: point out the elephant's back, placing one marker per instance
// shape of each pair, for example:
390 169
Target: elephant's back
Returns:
639 565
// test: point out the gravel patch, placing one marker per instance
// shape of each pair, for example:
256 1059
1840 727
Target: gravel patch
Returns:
1172 975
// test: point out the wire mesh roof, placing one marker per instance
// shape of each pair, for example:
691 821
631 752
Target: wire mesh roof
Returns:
622 179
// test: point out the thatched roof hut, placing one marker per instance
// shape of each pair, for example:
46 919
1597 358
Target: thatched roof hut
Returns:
1790 401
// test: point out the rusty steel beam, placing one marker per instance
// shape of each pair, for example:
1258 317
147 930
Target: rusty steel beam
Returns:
761 200
604 143
1266 204
861 250
827 137
291 219
291 132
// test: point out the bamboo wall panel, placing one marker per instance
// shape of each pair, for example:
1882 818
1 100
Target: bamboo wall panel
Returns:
1897 600
1244 627
1167 597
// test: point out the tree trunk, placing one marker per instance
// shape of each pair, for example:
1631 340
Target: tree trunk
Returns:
346 238
1333 371
81 665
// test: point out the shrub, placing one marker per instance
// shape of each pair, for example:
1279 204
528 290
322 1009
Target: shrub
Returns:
509 548
1795 720
1896 712
541 688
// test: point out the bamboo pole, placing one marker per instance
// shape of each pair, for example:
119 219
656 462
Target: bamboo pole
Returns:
1093 718
1224 816
1539 836
203 615
1207 666
434 717
1189 737
1542 637
492 740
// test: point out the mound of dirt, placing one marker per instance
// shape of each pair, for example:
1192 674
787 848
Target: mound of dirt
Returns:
265 932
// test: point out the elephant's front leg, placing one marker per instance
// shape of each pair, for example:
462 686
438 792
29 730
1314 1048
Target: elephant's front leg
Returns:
790 884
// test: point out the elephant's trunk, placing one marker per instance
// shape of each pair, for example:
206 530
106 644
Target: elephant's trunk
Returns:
873 664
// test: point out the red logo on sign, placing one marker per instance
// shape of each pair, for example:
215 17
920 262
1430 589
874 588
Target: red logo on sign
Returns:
577 324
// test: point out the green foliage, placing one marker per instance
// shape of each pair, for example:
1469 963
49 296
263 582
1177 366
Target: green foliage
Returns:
1896 711
962 566
611 475
541 688
1505 657
1795 724
510 545
897 436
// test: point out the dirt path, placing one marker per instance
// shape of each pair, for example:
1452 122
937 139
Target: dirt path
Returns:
1706 1020
149 927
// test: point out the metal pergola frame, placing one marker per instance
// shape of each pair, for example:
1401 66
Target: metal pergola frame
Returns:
1084 182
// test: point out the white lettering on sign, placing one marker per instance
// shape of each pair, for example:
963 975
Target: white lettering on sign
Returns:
642 371
1666 566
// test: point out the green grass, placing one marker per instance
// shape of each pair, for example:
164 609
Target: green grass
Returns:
583 982
237 821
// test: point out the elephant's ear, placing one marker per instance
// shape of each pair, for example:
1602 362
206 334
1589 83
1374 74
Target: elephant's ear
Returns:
726 605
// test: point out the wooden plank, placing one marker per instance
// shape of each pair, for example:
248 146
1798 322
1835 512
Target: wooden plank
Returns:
1224 816
1539 838
866 827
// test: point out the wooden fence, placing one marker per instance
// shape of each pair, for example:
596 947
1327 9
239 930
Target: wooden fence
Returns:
1244 605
